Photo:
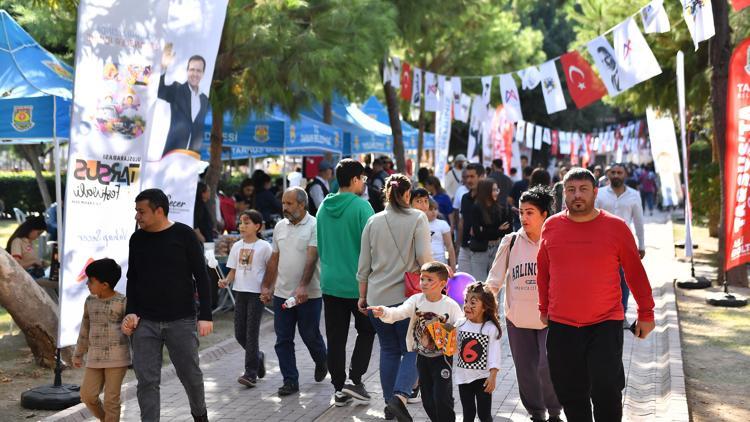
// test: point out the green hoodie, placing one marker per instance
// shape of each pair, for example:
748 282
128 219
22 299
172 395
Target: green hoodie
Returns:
341 219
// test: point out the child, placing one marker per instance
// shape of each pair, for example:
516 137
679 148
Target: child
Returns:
440 233
247 262
478 352
20 245
433 365
102 341
420 199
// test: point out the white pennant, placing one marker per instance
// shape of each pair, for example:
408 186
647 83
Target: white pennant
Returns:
529 135
386 71
456 90
465 107
655 18
699 19
395 73
554 98
520 131
486 92
604 57
565 143
530 77
634 58
547 136
441 90
430 92
416 87
538 132
475 130
511 99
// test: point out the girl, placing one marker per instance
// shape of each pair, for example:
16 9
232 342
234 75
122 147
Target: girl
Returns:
20 245
490 222
441 237
420 200
478 352
247 263
515 266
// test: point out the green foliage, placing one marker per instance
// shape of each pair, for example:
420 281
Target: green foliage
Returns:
705 192
20 190
51 22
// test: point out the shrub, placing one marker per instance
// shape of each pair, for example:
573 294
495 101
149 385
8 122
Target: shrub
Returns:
20 190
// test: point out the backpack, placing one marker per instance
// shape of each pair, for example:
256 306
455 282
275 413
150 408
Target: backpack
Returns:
312 208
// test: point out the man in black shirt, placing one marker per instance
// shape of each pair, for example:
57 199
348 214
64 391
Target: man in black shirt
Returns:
166 267
474 173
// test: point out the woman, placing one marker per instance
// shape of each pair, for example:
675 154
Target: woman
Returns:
265 201
245 198
202 221
20 245
527 335
394 241
445 205
490 222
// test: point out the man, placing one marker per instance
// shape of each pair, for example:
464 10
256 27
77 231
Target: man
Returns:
293 271
519 188
503 181
578 278
453 178
624 202
340 222
319 187
165 268
187 104
474 173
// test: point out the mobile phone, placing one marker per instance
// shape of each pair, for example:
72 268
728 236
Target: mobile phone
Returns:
632 327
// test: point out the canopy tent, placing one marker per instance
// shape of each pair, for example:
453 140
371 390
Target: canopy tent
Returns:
376 110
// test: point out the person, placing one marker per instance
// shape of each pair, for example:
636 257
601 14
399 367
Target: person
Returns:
490 221
585 336
433 365
166 268
378 174
503 182
245 198
456 204
265 201
187 104
440 236
474 173
247 264
514 176
478 339
559 204
519 187
21 245
295 178
202 221
419 199
318 187
454 179
648 189
293 271
422 174
445 205
541 177
624 202
340 222
394 242
102 342
514 268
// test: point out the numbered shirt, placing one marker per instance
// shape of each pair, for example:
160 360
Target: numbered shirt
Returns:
249 263
478 351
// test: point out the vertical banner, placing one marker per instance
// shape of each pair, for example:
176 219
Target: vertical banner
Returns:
520 131
681 104
665 155
443 131
486 92
474 144
456 90
502 138
737 160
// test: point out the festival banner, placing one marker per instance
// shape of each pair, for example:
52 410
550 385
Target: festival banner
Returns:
740 4
654 17
554 99
635 61
699 19
443 132
555 136
604 58
664 152
430 92
565 143
416 88
737 160
584 85
510 97
406 85
487 128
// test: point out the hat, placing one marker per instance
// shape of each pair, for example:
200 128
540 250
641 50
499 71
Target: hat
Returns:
324 165
459 157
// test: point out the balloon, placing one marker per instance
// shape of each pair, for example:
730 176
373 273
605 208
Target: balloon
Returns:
457 286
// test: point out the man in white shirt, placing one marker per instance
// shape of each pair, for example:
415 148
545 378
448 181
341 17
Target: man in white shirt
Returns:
453 177
293 271
625 202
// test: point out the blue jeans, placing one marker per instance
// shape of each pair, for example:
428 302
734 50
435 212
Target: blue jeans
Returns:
625 291
398 367
305 317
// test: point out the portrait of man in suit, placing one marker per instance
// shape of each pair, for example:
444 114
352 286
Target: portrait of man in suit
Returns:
187 104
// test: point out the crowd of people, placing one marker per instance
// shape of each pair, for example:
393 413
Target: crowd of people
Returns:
554 260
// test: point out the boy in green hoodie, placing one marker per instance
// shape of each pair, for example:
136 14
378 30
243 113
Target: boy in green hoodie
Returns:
341 219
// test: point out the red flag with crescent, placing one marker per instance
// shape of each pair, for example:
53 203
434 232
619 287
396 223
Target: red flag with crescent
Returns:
584 85
740 4
405 81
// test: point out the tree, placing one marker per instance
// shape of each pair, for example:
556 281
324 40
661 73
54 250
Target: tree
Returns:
32 154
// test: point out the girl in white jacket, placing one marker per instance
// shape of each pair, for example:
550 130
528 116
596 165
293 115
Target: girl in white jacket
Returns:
515 268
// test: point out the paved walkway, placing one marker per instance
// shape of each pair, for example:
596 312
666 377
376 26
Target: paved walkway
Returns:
655 388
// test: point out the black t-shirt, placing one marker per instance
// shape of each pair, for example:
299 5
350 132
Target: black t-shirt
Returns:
467 205
164 269
266 203
202 221
519 188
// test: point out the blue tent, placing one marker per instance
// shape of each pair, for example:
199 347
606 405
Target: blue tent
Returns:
375 109
35 88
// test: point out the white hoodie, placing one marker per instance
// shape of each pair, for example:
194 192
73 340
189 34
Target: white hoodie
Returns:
519 277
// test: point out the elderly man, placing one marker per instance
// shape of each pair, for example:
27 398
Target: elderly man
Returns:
293 271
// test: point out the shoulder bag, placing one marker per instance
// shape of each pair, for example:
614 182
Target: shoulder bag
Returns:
411 279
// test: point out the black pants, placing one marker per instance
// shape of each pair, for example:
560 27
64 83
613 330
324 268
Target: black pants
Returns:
586 366
474 399
436 385
248 312
338 312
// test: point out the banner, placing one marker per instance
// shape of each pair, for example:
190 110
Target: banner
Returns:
395 73
554 98
486 93
416 88
635 61
501 138
737 160
664 152
510 97
654 17
464 108
583 84
604 57
443 132
538 133
699 19
530 135
474 149
681 104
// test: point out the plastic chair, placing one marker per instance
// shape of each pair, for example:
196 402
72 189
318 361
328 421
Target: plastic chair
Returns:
20 215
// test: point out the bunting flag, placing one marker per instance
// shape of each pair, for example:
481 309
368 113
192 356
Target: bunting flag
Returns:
386 70
547 136
529 135
554 98
474 144
699 19
575 144
441 91
456 90
565 143
510 97
430 92
416 87
555 142
464 107
538 132
395 73
406 85
604 57
520 132
486 92
635 61
583 84
654 17
740 4
443 131
530 77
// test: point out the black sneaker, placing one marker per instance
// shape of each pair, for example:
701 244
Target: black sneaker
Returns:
247 381
414 397
262 365
288 389
398 408
340 399
321 370
389 416
356 391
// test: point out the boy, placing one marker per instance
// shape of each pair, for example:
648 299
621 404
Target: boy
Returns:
433 363
102 341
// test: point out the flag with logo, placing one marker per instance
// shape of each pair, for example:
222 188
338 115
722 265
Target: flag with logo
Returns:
456 92
462 111
740 4
530 77
406 85
654 17
699 19
554 98
486 92
584 85
604 58
416 87
430 92
636 62
511 99
474 144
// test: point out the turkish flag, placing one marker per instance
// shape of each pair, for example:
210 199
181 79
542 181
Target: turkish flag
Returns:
740 4
584 85
555 142
405 81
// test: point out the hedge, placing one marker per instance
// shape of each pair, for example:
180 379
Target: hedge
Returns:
20 190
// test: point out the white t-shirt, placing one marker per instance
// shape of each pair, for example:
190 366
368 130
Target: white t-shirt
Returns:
249 263
437 229
477 351
460 192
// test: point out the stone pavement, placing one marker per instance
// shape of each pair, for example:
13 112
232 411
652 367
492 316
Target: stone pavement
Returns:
655 388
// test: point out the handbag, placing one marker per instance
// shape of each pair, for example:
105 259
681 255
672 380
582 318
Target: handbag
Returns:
411 279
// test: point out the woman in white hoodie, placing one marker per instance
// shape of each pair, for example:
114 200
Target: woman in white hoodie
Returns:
515 267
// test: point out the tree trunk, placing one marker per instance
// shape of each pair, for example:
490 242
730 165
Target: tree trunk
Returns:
32 310
214 162
721 51
327 112
391 100
31 153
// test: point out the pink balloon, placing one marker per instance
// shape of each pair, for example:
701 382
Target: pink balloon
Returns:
457 286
